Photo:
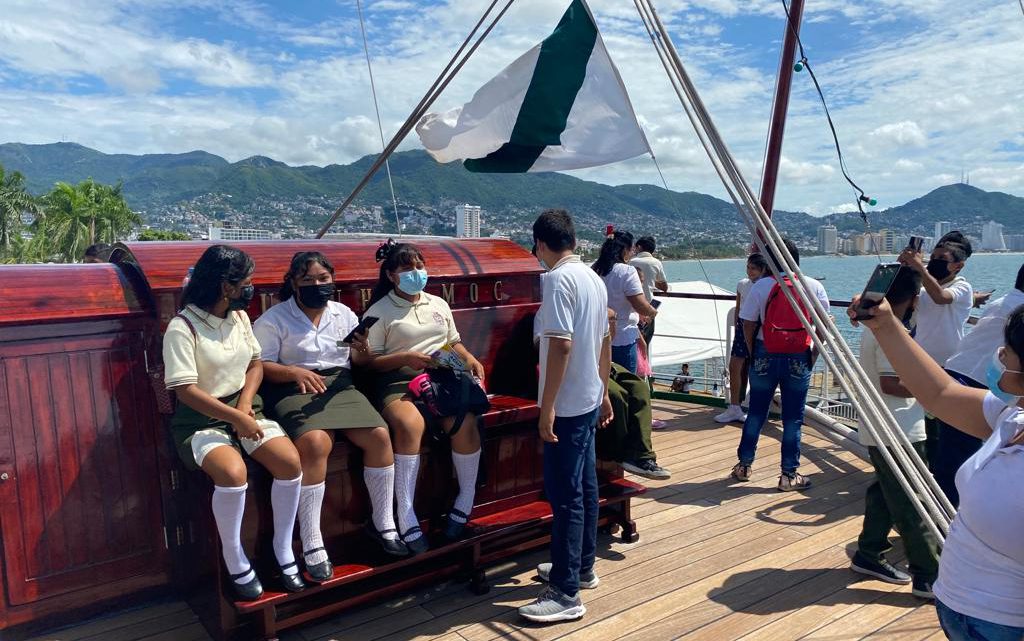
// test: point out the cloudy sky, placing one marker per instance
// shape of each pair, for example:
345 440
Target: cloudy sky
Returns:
920 89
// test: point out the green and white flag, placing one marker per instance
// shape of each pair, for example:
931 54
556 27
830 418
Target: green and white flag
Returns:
561 105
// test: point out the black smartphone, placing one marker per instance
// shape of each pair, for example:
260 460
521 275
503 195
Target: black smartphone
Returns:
655 303
363 325
916 243
877 287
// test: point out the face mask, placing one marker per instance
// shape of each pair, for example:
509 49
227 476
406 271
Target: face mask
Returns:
413 281
938 268
244 298
994 374
316 296
540 260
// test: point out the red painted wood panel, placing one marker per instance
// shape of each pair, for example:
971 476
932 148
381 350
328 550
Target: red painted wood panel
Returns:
41 293
81 509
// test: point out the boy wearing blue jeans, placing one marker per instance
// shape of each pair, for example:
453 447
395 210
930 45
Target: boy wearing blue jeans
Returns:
575 360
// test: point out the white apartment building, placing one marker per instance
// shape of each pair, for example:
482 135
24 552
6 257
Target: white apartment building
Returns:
467 221
828 239
229 233
992 237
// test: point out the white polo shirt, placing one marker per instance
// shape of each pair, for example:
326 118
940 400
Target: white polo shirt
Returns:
623 281
977 347
424 326
752 306
908 412
981 570
574 306
287 336
651 271
216 358
940 328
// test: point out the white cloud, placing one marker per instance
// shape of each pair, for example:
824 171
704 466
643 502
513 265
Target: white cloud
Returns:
906 133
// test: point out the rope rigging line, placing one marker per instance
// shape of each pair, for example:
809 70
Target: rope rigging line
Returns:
910 471
376 107
440 83
805 63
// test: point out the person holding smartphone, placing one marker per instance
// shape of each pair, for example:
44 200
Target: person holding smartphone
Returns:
308 389
979 593
413 325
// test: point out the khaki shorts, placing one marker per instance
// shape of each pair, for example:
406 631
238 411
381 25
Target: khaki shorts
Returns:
205 441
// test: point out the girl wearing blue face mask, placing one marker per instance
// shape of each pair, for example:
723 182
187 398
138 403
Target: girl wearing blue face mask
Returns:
412 325
980 590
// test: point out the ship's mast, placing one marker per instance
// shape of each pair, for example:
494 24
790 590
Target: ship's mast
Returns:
777 126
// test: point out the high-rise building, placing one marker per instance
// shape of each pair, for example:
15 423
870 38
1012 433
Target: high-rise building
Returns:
467 221
229 232
828 239
942 228
862 244
992 237
1014 242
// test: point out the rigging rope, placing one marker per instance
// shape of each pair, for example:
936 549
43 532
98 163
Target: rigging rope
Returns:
376 107
910 471
443 80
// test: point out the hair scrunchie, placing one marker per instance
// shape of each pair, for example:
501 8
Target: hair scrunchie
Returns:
385 249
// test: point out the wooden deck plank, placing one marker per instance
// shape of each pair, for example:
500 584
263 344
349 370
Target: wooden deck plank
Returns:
134 624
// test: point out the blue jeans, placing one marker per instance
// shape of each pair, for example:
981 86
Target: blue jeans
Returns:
791 373
960 627
570 483
626 356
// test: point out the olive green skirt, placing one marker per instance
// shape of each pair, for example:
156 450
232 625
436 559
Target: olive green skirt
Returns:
341 407
393 385
186 422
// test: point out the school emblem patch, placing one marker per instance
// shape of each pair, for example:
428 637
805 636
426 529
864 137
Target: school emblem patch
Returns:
438 318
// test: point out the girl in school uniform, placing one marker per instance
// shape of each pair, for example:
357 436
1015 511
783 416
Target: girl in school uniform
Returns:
413 324
308 389
212 362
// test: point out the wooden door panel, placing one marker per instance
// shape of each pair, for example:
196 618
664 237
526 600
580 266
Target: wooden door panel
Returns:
82 506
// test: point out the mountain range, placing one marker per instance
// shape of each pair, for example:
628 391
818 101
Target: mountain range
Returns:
154 181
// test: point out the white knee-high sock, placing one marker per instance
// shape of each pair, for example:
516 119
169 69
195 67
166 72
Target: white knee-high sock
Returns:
466 467
284 499
407 467
380 483
228 507
311 499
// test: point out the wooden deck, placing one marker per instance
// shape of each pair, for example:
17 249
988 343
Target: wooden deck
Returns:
716 560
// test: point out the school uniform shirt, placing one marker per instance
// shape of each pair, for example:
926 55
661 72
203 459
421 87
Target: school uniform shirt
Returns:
574 306
908 412
424 326
623 281
651 271
216 358
752 306
981 570
978 345
940 328
287 336
743 288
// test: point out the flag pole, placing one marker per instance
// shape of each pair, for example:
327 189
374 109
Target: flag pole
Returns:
442 81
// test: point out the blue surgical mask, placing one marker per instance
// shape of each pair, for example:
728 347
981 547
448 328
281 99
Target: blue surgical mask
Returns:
994 374
413 281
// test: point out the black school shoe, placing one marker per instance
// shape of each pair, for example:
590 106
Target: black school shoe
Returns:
291 582
394 547
453 528
416 546
922 589
881 569
319 572
246 591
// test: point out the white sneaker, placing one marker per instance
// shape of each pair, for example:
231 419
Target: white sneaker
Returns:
733 413
587 581
553 606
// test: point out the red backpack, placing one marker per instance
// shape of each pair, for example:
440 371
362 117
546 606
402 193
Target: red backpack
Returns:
783 332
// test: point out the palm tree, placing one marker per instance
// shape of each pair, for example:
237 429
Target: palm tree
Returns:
80 215
14 201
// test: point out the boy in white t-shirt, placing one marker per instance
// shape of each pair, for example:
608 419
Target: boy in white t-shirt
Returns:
945 306
886 505
575 360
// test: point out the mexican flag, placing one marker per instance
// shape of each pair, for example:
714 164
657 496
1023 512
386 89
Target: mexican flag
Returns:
561 105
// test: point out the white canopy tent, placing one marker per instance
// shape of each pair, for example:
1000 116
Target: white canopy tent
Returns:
690 330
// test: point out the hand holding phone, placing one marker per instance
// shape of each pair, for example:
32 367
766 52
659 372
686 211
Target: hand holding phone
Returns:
916 243
365 324
876 289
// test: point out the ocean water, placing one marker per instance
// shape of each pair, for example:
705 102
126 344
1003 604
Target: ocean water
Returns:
844 277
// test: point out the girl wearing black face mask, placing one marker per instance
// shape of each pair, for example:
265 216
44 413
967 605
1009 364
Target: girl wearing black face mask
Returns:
309 390
212 362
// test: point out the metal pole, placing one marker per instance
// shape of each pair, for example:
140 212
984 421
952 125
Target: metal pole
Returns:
777 126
